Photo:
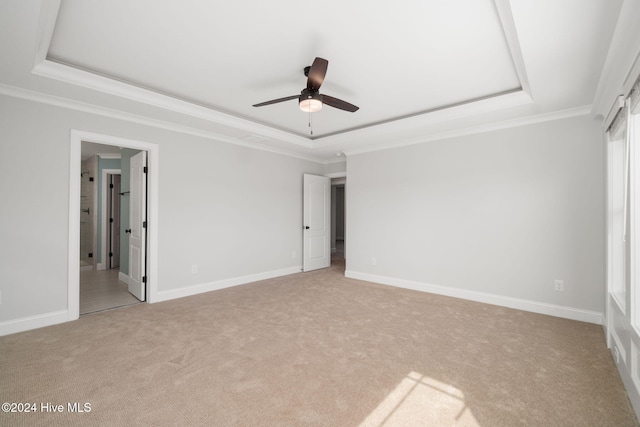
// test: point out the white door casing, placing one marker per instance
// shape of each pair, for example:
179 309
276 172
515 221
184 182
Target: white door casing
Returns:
76 137
137 232
316 222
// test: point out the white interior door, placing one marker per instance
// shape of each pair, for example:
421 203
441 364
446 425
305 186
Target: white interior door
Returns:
317 222
137 232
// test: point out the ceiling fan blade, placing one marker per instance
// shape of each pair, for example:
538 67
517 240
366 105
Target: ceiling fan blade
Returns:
339 103
316 73
275 101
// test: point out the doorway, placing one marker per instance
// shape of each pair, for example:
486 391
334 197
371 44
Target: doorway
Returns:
105 284
338 219
107 277
323 221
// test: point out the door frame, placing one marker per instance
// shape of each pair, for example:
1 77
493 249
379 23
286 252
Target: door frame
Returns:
102 265
76 138
340 178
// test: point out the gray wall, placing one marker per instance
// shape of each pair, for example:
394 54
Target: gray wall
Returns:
501 213
232 210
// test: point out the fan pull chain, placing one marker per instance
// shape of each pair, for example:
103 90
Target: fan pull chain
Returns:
310 127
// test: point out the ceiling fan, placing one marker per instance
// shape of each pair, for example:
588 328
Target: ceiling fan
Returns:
310 100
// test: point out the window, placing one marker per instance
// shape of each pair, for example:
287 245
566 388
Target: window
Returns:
616 244
623 206
633 262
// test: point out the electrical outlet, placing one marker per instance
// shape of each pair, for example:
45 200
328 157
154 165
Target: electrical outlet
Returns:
559 285
194 269
374 261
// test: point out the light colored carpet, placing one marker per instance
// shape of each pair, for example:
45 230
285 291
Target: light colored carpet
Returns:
315 349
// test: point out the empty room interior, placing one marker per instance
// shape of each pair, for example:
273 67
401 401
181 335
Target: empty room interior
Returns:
329 214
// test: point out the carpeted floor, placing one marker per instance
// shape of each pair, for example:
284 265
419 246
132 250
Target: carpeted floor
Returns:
314 349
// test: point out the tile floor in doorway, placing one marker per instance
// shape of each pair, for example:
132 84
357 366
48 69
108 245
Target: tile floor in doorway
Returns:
101 290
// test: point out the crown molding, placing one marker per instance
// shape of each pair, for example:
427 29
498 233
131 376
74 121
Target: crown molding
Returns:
503 8
46 25
473 130
88 80
622 64
66 103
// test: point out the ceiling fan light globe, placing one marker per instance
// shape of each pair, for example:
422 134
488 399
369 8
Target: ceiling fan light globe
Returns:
310 105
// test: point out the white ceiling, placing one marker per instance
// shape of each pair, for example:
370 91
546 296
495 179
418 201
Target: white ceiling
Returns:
416 68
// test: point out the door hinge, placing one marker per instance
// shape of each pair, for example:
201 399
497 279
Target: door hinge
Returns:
144 279
144 169
110 219
144 224
90 179
110 254
110 185
90 254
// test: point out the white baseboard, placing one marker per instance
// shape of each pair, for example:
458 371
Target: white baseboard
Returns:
617 344
53 318
123 277
629 385
221 284
33 322
519 304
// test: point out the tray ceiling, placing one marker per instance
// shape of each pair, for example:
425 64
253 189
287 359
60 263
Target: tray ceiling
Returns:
418 69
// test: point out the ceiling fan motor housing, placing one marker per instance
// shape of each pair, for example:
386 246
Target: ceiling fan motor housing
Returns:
310 94
310 100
